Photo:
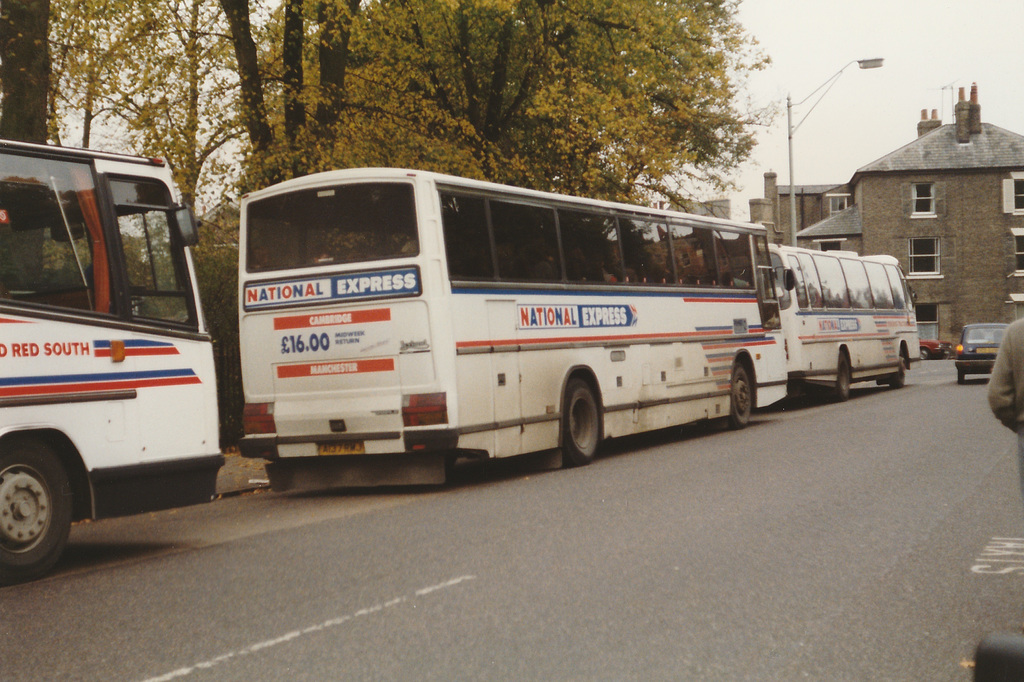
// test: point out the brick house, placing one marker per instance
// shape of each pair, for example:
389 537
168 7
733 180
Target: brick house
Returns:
950 207
814 203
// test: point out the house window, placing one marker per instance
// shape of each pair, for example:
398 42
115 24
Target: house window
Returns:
1018 247
831 245
924 198
837 203
927 320
1013 193
924 256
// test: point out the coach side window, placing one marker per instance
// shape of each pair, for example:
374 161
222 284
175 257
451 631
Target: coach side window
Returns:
157 279
466 239
525 242
735 263
800 289
645 251
590 242
880 289
833 283
857 283
694 252
810 275
52 249
899 296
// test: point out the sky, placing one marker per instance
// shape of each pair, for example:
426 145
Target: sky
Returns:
931 49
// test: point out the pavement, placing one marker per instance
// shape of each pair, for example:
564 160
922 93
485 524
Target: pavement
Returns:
240 474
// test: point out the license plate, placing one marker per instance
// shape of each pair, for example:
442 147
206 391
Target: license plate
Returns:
993 351
355 447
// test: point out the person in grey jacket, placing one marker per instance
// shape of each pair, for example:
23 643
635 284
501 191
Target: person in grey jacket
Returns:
1006 387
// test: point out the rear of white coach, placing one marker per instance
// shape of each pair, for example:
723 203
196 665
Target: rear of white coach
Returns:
342 353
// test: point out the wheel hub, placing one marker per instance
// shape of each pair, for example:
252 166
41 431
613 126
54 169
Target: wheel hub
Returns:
24 509
741 392
581 425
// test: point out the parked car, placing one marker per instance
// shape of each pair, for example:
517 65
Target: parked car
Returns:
933 348
976 352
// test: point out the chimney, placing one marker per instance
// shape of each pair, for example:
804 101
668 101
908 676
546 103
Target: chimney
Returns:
926 125
761 212
771 185
974 112
771 192
961 113
765 210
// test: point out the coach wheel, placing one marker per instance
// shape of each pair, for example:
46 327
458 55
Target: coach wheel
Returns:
741 397
842 391
581 424
35 510
899 379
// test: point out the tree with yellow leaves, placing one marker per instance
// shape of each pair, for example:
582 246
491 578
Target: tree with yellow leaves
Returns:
153 76
623 99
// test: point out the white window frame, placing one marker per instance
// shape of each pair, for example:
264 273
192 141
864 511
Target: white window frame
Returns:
927 328
1013 194
935 255
1017 301
833 244
1018 250
915 197
834 199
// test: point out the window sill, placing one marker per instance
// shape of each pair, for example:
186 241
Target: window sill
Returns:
923 216
931 275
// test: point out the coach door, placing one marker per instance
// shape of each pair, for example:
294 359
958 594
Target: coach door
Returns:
505 384
167 370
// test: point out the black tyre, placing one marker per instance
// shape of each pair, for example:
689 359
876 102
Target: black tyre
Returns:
35 509
741 397
961 377
581 424
925 353
842 389
899 379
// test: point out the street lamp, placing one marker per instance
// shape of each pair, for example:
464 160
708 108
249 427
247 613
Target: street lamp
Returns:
827 85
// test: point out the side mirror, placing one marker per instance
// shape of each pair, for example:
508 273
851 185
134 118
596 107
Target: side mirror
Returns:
188 226
789 279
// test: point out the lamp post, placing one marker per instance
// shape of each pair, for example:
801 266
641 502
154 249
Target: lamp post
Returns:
827 85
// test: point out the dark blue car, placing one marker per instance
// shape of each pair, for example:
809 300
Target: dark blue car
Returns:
976 352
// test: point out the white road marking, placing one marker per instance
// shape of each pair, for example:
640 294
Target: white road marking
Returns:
295 634
1000 551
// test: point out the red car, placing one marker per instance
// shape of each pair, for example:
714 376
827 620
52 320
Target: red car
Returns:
933 348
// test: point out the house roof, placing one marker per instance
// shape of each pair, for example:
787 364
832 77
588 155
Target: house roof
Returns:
808 189
993 147
846 223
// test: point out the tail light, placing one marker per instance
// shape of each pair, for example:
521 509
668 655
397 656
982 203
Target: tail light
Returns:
258 418
425 409
959 348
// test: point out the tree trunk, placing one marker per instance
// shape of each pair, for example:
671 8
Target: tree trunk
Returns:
254 113
333 53
294 110
24 69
